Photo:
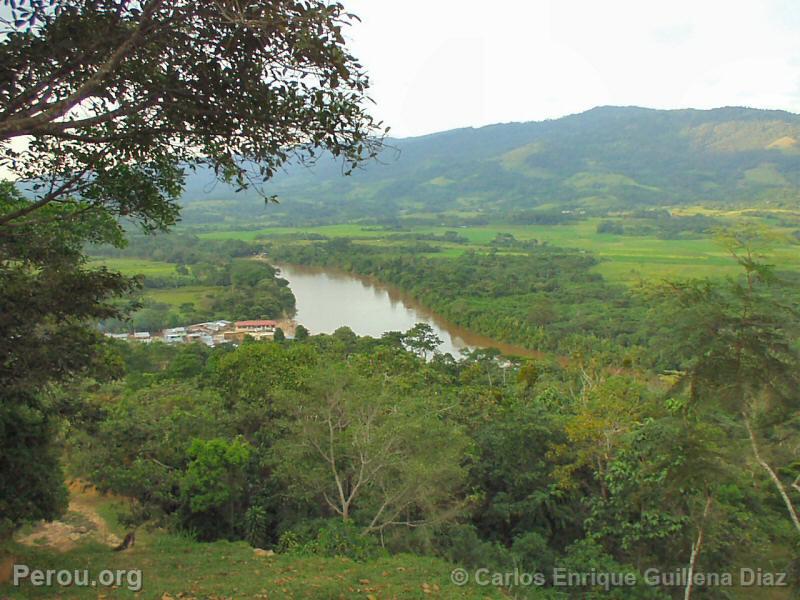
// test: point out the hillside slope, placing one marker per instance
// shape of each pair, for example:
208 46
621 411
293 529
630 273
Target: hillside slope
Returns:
608 158
167 567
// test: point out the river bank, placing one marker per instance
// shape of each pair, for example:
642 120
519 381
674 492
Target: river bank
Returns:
328 298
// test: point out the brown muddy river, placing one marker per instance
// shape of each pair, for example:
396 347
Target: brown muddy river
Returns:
328 299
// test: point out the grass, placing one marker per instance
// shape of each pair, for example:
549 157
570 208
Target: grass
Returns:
181 295
168 567
625 259
136 266
173 566
343 230
152 268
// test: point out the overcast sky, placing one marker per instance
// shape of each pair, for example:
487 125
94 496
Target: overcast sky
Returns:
441 64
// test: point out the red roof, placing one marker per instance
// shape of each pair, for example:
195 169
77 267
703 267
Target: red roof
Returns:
256 323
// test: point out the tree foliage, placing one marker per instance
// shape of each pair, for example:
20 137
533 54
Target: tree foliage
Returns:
115 97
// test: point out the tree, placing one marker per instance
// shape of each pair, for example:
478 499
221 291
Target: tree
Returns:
300 333
103 105
421 340
46 293
213 486
515 478
371 454
606 411
116 96
29 460
737 341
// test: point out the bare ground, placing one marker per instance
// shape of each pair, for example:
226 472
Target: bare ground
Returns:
81 522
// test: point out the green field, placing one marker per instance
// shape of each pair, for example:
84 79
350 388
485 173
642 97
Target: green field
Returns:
181 295
136 266
174 296
625 258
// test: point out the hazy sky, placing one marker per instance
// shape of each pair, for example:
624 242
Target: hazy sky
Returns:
440 64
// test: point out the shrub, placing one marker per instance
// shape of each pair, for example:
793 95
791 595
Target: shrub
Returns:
331 538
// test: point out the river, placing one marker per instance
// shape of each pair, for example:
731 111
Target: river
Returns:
328 299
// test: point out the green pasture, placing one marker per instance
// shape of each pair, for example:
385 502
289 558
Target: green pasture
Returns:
344 230
174 296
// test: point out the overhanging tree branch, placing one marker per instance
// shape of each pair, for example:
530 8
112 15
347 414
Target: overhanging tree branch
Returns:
13 127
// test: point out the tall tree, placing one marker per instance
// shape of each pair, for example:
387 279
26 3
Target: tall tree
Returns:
738 344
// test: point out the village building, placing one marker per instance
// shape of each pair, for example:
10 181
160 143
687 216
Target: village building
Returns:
209 328
258 329
212 333
203 338
174 335
117 336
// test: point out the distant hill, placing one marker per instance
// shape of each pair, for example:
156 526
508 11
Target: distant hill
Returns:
607 158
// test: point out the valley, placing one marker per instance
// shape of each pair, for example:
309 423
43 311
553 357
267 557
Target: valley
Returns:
425 300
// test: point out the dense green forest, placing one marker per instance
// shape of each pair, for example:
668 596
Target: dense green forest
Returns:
604 160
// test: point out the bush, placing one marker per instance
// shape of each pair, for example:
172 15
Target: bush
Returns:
331 538
532 552
257 525
460 544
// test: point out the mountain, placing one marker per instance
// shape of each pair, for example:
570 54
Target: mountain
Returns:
605 159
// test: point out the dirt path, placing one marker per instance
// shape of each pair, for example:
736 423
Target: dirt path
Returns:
81 521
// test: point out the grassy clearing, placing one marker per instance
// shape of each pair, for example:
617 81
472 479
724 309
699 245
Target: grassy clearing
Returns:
151 268
344 230
174 566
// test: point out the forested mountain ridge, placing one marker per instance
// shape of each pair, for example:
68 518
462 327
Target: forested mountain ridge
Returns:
608 158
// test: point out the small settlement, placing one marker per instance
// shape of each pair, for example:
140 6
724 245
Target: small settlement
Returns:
212 333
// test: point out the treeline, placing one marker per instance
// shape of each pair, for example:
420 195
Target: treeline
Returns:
545 299
357 447
662 225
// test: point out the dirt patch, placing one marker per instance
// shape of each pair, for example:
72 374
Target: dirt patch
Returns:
6 568
81 522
